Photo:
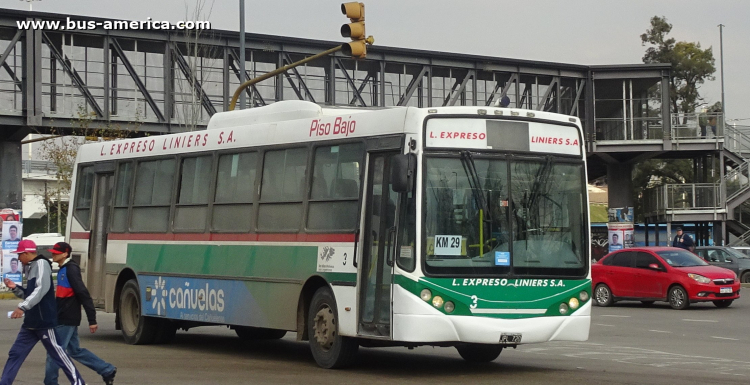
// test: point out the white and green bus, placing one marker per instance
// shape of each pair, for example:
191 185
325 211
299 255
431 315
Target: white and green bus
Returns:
453 226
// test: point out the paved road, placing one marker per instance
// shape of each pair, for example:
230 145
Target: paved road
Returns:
629 344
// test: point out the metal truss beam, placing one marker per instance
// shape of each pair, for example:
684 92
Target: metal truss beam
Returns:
187 72
134 75
252 92
362 87
68 68
11 45
513 78
286 59
579 91
413 85
349 80
451 99
551 89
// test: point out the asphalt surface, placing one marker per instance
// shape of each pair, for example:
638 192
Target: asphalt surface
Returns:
629 344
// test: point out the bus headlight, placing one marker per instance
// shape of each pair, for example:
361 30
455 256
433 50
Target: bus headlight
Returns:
584 296
573 303
563 308
437 302
449 307
426 295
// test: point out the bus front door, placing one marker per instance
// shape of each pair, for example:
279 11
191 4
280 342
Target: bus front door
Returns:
96 264
377 259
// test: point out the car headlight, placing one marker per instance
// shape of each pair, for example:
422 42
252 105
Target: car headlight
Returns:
699 278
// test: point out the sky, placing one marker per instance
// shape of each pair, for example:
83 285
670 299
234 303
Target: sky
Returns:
589 32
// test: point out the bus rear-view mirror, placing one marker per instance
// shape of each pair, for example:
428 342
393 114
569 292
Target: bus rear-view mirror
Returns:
403 168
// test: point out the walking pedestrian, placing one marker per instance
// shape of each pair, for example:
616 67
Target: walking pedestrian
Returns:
39 312
683 241
71 294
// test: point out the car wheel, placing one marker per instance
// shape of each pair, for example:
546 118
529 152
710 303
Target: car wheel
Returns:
647 303
745 277
678 298
723 303
603 295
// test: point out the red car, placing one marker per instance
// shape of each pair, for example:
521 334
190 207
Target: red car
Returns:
650 274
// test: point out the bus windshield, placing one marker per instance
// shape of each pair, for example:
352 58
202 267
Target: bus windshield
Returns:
495 216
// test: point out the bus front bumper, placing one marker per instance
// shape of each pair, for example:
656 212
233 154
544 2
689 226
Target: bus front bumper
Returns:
416 321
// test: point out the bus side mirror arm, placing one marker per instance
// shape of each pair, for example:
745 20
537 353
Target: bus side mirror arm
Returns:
356 242
403 170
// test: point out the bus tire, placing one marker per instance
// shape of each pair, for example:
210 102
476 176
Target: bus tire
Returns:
165 332
251 333
136 329
479 353
329 349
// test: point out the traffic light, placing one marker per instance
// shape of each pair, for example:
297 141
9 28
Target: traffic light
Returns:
355 30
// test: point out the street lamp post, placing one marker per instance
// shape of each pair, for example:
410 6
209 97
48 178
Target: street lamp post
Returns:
242 51
721 56
30 1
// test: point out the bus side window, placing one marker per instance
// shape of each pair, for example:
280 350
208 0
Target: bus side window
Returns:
83 196
334 194
153 195
235 192
122 197
192 195
281 194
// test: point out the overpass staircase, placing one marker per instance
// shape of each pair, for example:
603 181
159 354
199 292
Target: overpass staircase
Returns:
726 200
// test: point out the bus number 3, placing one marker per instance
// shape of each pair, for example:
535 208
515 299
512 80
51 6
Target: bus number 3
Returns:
474 299
344 259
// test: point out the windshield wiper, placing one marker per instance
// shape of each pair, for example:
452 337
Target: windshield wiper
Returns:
476 187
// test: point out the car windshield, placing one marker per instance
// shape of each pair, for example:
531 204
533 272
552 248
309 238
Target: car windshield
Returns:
681 258
491 216
736 253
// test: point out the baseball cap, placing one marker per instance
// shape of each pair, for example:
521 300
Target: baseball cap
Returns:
25 246
678 228
61 247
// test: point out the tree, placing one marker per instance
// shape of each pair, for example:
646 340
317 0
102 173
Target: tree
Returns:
62 153
691 65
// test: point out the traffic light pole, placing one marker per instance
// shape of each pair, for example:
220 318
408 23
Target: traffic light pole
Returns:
275 72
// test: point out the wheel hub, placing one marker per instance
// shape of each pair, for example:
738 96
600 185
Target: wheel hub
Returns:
325 327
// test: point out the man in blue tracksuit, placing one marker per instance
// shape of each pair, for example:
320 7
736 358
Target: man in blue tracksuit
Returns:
40 317
71 294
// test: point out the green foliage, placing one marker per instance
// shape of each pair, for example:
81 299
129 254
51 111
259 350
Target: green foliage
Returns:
691 65
598 213
656 172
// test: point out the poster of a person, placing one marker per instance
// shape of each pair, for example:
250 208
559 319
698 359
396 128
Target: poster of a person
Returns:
12 234
614 243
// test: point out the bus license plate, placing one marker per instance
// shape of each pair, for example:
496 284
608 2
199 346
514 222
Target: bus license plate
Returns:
507 338
725 290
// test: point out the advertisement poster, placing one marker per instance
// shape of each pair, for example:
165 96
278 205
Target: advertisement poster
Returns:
12 233
620 236
623 214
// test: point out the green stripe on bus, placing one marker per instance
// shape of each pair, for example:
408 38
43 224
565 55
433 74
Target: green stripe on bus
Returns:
264 262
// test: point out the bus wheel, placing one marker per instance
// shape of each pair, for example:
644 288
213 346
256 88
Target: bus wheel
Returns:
329 349
251 333
136 329
479 353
